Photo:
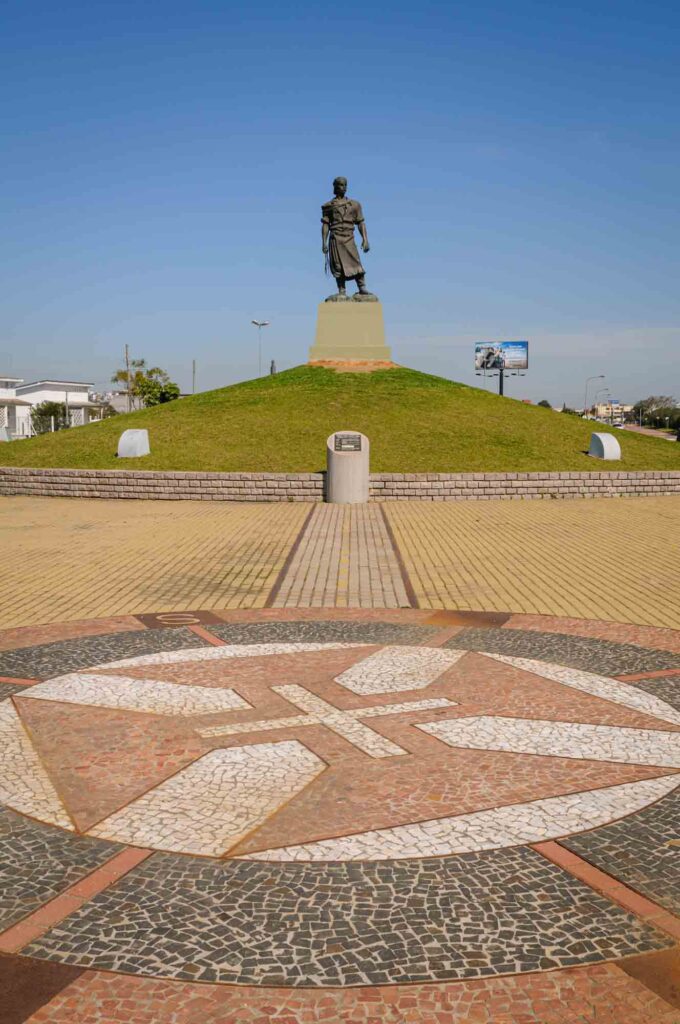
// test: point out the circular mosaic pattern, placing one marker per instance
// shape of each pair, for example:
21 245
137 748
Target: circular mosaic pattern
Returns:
343 751
331 802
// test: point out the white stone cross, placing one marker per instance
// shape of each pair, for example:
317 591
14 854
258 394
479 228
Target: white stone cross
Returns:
344 723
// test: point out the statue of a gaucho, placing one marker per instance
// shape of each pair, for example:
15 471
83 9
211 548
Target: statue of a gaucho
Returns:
339 217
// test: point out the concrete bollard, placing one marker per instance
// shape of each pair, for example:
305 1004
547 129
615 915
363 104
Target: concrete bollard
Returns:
347 462
604 446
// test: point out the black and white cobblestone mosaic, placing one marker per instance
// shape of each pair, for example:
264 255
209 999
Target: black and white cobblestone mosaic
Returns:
636 851
37 862
602 657
664 687
472 916
46 660
9 689
323 631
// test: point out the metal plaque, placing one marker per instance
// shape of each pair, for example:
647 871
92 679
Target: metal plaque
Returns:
348 442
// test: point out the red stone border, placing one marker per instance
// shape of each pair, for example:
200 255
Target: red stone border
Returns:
55 910
129 483
609 886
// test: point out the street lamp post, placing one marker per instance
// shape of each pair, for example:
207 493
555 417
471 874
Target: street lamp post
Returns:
600 391
598 376
259 324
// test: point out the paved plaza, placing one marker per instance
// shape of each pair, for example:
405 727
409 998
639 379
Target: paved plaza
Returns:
294 763
614 559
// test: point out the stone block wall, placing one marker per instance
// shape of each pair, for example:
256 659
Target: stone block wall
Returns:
127 483
480 486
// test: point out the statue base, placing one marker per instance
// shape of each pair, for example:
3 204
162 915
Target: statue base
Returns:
357 297
350 331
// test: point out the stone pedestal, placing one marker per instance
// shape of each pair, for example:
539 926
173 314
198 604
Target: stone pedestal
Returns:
350 331
347 464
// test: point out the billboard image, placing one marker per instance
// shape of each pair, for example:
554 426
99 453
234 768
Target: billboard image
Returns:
501 355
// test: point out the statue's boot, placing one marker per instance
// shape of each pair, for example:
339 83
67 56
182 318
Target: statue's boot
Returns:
361 284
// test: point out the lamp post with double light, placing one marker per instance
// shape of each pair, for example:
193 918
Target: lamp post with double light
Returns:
600 391
598 376
259 324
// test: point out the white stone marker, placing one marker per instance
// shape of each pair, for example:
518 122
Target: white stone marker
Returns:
133 443
347 457
604 446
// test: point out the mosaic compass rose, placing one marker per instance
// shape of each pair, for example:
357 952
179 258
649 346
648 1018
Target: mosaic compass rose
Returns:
334 751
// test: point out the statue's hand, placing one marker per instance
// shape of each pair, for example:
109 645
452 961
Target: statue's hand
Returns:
365 247
324 250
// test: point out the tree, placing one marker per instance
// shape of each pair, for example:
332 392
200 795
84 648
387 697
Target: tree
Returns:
147 386
47 413
655 409
545 403
131 381
156 388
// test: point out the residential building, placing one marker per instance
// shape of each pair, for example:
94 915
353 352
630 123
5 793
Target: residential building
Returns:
73 394
10 406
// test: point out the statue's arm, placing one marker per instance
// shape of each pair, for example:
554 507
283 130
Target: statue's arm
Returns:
324 236
364 236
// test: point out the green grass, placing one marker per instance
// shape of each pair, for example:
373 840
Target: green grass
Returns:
415 422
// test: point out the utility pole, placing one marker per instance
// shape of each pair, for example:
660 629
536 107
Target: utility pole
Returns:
127 371
193 377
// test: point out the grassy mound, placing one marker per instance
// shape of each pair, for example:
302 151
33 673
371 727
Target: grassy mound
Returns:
416 423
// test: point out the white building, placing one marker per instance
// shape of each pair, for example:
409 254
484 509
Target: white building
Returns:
73 394
10 406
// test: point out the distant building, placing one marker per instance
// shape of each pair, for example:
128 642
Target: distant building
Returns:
612 411
75 395
10 406
118 400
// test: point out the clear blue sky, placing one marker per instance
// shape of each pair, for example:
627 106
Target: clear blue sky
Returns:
518 165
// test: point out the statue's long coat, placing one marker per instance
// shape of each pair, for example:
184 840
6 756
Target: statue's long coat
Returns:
342 216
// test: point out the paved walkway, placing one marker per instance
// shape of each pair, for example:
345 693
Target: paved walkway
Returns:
605 559
616 559
345 559
297 764
68 559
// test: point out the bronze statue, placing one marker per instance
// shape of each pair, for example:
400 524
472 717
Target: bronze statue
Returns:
339 217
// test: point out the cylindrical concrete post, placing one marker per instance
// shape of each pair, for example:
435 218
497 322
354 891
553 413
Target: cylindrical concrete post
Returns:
347 460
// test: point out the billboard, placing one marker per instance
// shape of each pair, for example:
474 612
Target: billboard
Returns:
501 355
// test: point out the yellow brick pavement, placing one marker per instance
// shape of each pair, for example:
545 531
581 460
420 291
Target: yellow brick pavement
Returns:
66 559
606 558
613 559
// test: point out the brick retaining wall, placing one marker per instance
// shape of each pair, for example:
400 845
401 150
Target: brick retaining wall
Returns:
121 483
476 486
